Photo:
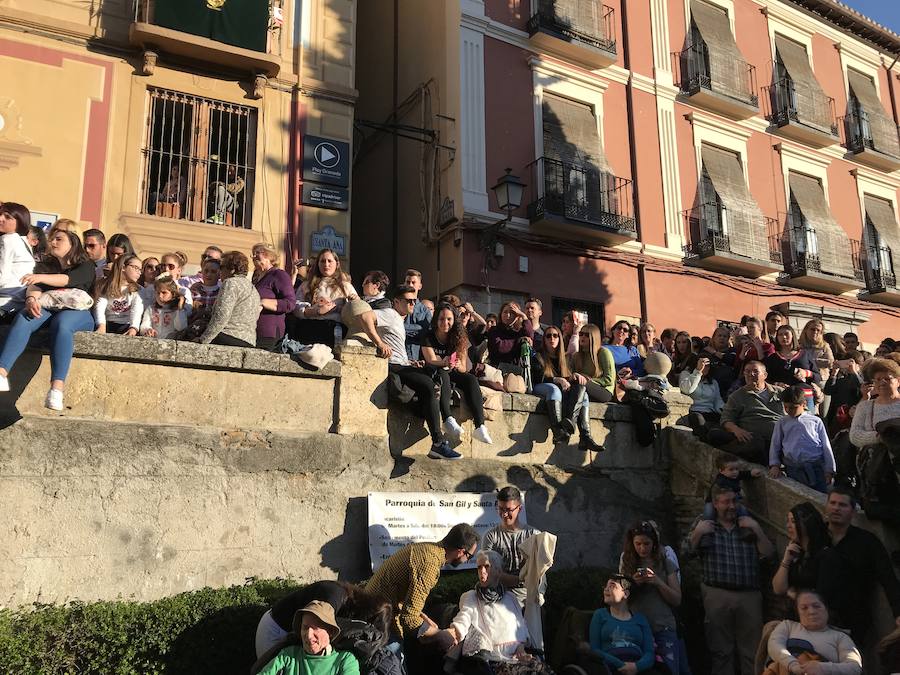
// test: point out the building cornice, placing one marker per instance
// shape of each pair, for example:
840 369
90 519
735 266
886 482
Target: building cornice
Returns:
555 68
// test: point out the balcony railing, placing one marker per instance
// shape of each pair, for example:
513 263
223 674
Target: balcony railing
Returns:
595 25
801 252
582 194
864 132
880 274
712 227
810 107
697 70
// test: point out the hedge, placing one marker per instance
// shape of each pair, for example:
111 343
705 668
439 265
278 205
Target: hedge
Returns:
204 631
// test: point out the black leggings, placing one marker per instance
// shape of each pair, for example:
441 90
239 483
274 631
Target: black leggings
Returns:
598 393
420 382
226 340
468 387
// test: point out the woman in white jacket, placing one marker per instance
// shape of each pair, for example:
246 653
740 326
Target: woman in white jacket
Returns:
16 259
489 624
694 381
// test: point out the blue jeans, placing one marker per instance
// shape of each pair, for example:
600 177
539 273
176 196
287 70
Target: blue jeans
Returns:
811 475
547 391
63 324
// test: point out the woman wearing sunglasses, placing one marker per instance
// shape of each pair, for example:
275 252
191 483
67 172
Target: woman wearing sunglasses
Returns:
625 355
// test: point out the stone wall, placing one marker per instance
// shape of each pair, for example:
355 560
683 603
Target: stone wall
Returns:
240 478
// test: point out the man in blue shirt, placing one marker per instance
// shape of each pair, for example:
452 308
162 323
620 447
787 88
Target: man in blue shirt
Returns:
801 442
418 321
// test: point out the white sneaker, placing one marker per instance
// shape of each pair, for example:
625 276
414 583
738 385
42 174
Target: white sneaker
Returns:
481 434
4 383
54 400
452 429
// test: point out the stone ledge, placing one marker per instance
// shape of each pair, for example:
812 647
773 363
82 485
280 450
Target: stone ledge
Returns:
189 354
194 355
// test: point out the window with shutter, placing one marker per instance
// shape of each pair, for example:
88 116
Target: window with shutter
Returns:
813 230
868 125
797 93
714 53
883 236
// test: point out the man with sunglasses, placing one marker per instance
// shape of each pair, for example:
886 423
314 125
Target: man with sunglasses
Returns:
407 577
506 539
385 328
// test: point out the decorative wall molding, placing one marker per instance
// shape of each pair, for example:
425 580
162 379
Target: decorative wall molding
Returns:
472 123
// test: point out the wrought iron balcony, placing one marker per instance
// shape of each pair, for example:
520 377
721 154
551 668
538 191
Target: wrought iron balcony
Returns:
254 52
873 140
881 276
724 86
589 38
807 115
722 240
582 200
805 266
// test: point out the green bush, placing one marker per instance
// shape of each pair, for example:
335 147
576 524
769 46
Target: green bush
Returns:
204 631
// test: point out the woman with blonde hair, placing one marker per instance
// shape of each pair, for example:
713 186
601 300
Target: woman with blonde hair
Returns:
66 225
594 369
812 339
647 340
322 296
276 292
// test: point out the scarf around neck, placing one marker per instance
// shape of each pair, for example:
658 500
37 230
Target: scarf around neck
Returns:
490 594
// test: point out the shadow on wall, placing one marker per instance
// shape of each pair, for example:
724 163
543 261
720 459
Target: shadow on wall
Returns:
347 555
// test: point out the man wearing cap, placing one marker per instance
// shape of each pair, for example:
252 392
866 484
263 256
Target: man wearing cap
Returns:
407 577
315 655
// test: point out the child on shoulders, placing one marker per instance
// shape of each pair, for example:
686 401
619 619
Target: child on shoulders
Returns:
800 442
730 474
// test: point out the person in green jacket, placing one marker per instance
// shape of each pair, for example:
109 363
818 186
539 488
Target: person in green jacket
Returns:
315 656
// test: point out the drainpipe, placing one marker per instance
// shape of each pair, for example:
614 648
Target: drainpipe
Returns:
395 149
629 107
891 88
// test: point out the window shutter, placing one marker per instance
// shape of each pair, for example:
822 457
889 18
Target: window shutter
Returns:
570 134
883 130
746 224
881 213
813 106
832 243
582 16
727 66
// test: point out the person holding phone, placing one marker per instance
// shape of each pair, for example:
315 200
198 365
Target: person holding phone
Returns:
656 589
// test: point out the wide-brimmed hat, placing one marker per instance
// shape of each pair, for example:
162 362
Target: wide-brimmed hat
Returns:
323 612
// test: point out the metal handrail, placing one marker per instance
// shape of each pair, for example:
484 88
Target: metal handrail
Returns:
600 32
693 73
858 136
801 250
782 96
582 193
707 225
879 268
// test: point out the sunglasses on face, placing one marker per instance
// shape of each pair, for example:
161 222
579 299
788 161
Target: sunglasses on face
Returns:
551 335
166 266
622 328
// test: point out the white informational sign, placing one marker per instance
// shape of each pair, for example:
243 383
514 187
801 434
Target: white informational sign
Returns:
400 518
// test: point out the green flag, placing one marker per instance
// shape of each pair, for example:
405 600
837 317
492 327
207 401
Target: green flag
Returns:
242 23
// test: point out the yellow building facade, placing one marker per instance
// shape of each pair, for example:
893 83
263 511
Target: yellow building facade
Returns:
116 119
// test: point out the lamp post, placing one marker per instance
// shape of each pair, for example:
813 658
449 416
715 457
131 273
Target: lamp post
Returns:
509 191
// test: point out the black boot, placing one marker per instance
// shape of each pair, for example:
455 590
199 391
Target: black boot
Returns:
585 442
554 413
571 401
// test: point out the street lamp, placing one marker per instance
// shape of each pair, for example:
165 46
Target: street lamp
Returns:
509 191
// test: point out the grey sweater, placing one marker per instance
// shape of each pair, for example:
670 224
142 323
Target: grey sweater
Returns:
235 312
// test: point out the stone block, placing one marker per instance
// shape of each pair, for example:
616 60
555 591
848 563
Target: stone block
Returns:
362 392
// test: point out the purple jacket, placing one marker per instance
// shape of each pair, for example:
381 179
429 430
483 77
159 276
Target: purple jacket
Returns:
274 285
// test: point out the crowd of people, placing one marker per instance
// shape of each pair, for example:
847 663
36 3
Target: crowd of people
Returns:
828 571
761 391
